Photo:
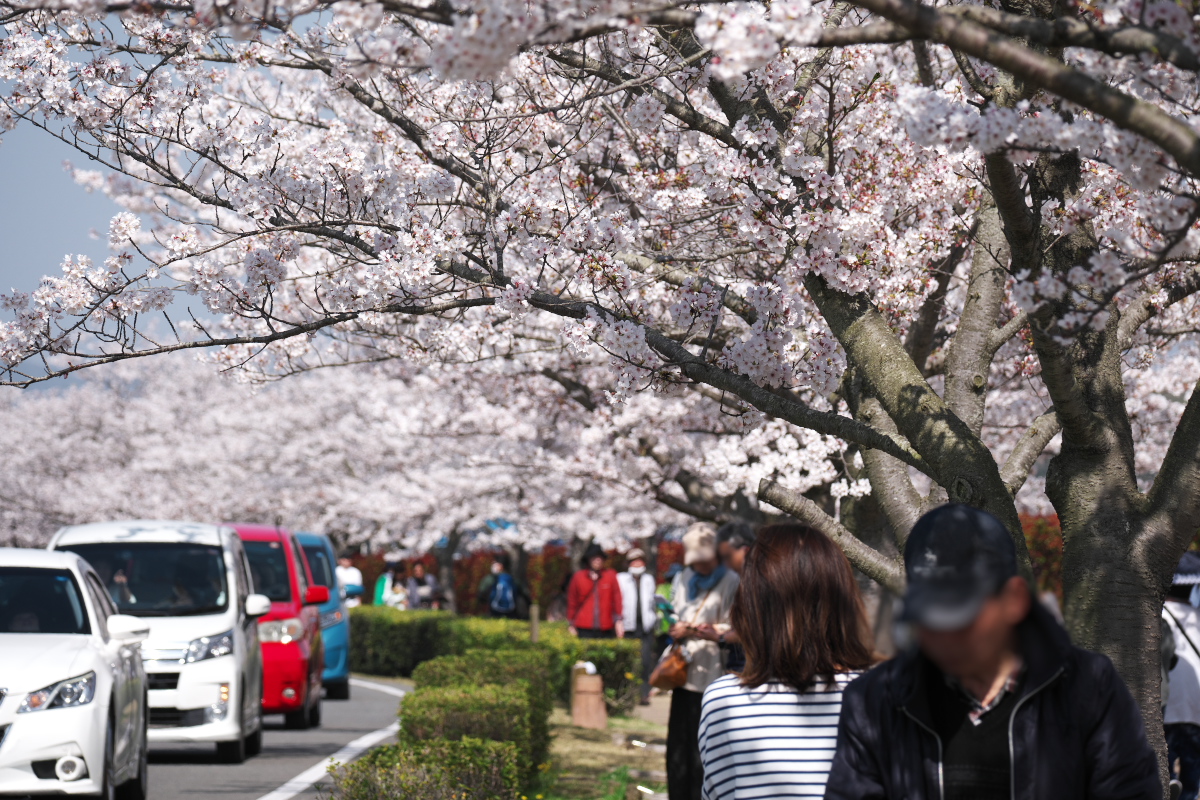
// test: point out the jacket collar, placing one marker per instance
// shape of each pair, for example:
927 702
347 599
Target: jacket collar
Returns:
1045 648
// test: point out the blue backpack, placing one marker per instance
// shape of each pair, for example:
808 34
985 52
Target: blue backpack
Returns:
503 599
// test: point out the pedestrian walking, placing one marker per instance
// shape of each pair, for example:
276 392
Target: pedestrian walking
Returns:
639 615
423 590
995 703
666 612
1181 716
594 607
350 578
771 731
499 592
702 596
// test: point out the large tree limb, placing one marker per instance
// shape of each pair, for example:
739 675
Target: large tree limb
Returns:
1055 33
891 486
1173 135
969 358
868 560
959 461
1174 498
1027 450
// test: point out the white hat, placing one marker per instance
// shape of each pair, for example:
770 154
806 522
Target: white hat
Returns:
699 543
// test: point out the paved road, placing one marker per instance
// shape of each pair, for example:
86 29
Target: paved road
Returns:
184 772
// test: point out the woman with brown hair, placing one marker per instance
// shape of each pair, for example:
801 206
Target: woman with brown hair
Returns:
771 731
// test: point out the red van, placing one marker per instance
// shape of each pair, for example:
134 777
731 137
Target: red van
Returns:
293 654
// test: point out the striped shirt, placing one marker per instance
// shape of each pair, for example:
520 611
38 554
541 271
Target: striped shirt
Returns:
770 741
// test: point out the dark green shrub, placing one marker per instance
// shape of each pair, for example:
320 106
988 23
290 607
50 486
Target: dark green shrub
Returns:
386 641
534 666
619 662
466 769
500 713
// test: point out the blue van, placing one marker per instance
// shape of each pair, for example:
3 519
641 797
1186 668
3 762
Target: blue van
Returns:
335 621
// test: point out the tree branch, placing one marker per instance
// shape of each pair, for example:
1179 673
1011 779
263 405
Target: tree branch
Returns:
1016 468
1173 135
868 560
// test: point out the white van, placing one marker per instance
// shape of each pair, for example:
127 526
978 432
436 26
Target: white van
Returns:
190 581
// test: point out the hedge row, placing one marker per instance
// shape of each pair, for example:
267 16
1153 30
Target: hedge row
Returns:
386 641
531 669
466 769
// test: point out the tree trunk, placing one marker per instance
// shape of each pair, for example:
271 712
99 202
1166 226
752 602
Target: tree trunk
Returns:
1112 605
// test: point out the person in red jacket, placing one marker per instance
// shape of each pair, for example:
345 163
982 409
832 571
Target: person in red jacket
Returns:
594 599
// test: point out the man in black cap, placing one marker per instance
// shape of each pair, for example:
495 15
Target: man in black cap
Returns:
995 703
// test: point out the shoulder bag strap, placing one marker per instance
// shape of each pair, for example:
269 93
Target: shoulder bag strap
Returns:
1181 630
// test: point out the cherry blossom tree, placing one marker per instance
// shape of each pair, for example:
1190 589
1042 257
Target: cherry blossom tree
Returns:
906 253
367 458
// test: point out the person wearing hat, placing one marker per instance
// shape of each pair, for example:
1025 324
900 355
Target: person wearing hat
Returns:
702 596
994 702
1181 714
639 616
594 599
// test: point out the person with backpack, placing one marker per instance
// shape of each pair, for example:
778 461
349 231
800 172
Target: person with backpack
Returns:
500 591
594 605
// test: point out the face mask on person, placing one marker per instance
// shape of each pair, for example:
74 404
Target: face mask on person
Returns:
496 568
637 570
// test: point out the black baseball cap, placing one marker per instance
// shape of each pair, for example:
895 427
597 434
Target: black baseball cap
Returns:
956 558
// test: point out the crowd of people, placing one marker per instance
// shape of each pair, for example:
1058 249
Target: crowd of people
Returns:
761 640
784 696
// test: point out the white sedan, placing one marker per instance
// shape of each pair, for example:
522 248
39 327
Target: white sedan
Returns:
72 688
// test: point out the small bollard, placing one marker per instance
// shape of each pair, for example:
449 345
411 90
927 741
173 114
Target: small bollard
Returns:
587 706
534 614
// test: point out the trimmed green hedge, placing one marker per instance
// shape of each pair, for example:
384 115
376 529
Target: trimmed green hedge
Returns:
499 713
386 641
533 667
466 769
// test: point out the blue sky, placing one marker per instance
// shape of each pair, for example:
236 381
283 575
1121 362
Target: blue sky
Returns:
43 214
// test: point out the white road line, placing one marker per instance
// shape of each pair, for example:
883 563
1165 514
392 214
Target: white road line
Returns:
379 687
347 754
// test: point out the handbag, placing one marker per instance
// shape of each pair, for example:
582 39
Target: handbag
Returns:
671 671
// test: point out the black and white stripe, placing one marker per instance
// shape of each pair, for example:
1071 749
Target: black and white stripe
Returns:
770 741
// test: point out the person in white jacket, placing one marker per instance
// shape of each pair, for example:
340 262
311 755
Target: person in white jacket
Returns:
1181 717
638 611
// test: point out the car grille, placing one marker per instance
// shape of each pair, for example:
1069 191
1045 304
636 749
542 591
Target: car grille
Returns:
176 718
175 652
162 680
3 732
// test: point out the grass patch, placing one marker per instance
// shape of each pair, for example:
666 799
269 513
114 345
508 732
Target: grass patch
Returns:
588 765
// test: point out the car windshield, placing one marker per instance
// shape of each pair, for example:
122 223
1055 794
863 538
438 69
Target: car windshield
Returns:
269 570
160 579
34 600
318 565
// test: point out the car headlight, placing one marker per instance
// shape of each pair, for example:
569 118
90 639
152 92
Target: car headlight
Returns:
331 618
281 630
209 647
64 694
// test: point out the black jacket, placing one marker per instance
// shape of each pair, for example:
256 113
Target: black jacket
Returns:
1074 733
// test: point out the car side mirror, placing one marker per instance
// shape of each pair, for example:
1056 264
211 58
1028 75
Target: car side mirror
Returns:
316 595
258 605
128 629
353 590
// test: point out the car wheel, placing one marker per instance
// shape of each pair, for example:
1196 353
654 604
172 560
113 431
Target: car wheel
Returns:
254 742
337 691
108 787
138 787
297 720
234 752
314 714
